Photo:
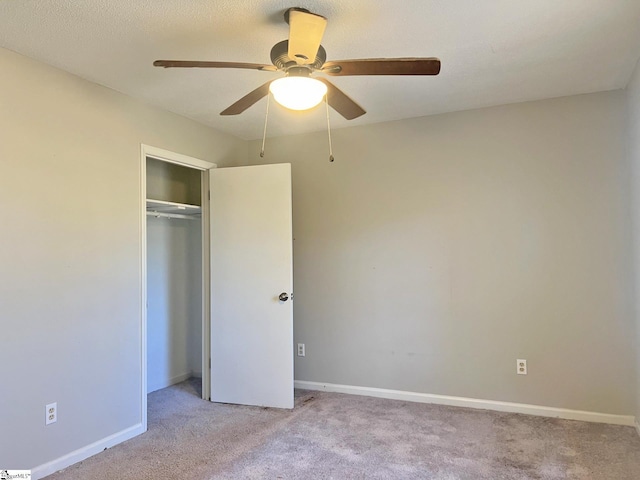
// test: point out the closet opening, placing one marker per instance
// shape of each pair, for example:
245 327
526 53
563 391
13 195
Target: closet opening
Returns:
175 273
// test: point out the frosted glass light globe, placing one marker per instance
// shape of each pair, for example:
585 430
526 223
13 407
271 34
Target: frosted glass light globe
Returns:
298 93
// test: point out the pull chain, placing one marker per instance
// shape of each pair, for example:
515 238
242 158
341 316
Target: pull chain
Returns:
326 102
264 134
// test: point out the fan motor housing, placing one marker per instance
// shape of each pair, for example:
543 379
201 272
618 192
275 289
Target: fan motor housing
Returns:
280 57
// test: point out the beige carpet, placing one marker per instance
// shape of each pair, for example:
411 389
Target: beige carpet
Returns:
334 436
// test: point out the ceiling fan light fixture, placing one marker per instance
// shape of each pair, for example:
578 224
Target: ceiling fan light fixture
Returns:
298 93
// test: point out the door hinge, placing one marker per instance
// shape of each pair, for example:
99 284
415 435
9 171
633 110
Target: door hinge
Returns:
209 364
209 194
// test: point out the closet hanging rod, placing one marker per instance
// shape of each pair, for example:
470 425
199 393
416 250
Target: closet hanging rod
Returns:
172 215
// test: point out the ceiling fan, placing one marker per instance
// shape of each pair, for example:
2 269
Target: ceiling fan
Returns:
300 58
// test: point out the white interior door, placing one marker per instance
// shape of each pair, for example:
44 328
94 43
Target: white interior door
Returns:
251 265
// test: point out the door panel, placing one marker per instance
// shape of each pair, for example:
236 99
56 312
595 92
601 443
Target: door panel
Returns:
251 265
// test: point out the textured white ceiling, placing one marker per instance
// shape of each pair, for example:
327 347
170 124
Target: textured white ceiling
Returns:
493 52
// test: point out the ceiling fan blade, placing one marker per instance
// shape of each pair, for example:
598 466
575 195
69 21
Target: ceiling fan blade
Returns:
305 34
340 102
247 101
197 64
383 66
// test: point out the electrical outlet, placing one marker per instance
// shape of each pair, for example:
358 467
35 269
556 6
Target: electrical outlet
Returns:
521 365
301 349
51 413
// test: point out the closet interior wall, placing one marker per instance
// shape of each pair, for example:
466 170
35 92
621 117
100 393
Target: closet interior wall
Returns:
174 277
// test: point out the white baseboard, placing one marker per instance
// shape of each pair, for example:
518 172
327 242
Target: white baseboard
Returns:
85 452
167 382
538 410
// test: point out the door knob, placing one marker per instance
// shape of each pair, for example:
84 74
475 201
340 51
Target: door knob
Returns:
283 297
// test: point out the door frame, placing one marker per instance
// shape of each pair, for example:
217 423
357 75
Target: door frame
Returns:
203 166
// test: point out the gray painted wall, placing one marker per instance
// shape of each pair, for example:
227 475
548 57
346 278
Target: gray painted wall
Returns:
633 109
435 251
70 254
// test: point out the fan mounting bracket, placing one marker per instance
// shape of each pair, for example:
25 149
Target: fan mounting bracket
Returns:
333 69
280 57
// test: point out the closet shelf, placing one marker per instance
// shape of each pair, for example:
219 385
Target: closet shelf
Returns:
161 208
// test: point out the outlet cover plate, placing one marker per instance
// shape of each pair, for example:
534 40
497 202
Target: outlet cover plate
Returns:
521 366
51 413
